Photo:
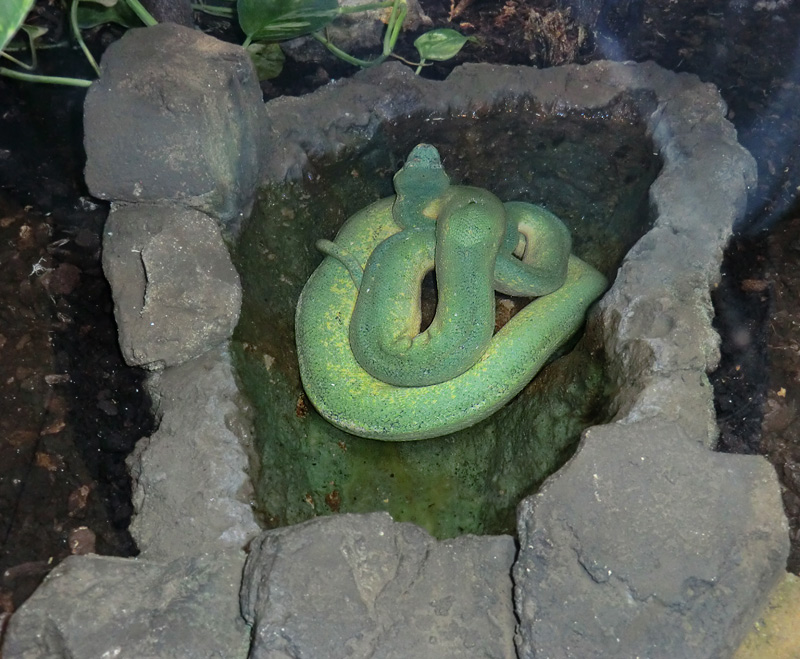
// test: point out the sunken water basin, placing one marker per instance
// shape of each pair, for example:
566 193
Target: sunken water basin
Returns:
644 543
593 169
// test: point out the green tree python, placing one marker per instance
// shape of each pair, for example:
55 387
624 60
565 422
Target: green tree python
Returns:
364 363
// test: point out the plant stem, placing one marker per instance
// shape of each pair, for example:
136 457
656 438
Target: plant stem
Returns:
409 62
73 21
53 80
364 64
393 26
142 13
45 46
11 58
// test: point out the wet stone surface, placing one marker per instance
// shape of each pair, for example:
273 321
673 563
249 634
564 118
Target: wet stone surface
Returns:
592 169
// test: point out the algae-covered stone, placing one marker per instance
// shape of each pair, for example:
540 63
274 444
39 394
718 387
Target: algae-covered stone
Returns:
468 481
776 634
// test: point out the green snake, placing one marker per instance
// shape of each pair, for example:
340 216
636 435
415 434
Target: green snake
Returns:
364 363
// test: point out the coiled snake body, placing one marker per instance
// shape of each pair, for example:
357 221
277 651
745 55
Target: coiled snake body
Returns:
364 363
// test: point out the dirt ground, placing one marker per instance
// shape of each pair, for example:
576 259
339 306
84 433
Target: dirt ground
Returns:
70 410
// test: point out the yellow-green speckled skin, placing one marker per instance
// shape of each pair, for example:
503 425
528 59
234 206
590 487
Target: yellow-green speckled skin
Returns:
462 242
347 396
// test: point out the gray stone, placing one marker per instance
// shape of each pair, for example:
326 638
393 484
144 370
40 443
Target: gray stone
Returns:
176 291
646 544
96 606
176 115
190 487
364 586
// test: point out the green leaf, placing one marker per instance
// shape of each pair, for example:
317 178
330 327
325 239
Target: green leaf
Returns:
101 13
440 45
268 59
278 20
12 14
33 32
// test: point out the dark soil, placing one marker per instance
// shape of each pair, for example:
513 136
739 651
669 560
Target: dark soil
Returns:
757 385
70 410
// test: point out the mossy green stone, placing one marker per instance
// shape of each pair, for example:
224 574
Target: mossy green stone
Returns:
469 481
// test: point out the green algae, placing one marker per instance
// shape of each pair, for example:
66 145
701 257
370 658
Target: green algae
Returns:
469 481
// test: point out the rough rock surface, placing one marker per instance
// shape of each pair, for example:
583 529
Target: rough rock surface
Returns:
98 606
176 291
172 96
648 536
776 633
659 345
190 476
646 544
364 586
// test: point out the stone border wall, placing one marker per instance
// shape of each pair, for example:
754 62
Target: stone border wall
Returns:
647 543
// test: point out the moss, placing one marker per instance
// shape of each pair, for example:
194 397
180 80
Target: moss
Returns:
594 172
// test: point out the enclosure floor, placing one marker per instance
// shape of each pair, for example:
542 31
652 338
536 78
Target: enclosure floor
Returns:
70 410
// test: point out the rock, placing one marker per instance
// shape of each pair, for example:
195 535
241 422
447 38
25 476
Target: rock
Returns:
172 11
98 606
190 477
176 291
186 125
364 586
647 544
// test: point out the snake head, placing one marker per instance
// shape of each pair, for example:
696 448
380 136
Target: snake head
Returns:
423 156
421 180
